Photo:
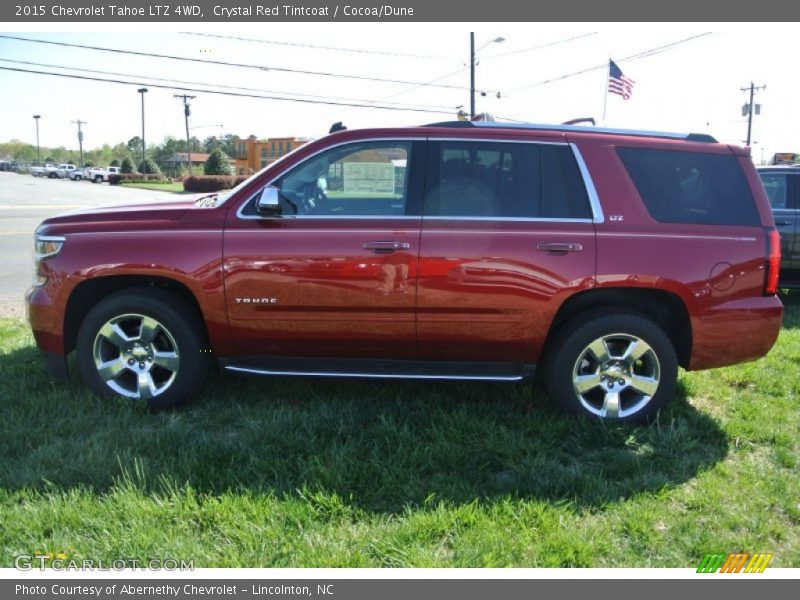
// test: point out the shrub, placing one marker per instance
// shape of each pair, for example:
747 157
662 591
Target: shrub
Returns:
115 179
148 166
217 163
114 163
126 166
211 183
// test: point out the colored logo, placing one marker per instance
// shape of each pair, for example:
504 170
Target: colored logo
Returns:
739 562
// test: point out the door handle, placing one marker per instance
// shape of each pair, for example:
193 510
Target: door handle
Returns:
385 247
559 247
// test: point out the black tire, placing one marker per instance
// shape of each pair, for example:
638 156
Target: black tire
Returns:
624 392
77 178
181 337
98 179
52 176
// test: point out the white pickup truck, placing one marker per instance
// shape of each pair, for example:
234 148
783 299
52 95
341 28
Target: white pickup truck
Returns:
62 171
42 171
99 175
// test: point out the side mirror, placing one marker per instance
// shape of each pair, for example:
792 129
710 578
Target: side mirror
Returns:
268 202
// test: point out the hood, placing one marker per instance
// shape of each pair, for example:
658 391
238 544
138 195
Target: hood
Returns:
153 215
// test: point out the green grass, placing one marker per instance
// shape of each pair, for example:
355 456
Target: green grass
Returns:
175 186
304 472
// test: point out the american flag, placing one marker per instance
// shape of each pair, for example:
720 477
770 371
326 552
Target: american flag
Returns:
617 82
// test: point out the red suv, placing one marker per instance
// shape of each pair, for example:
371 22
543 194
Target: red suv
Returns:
472 251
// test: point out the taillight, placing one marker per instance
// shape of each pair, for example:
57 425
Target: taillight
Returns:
773 263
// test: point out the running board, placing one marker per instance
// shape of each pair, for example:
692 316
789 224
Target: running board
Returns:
379 369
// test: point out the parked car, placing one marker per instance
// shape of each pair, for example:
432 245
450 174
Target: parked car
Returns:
782 184
99 175
63 170
43 170
467 251
78 174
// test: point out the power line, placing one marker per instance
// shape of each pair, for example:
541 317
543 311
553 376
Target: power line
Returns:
638 55
223 93
318 47
229 64
216 85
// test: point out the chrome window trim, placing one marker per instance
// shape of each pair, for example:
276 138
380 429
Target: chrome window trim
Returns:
512 219
594 200
591 191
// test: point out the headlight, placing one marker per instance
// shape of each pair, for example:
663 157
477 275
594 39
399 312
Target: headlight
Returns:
44 246
47 246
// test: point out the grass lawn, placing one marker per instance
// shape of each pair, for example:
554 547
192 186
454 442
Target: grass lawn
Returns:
176 186
305 472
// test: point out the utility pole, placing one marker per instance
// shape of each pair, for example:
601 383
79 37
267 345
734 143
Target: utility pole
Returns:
80 137
38 158
186 112
752 88
143 91
471 75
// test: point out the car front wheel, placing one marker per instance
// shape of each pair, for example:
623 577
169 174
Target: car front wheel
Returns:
144 344
612 366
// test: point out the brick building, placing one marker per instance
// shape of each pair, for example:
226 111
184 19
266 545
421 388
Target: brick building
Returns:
253 154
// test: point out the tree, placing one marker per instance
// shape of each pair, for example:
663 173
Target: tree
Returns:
135 145
217 164
210 144
114 163
126 166
228 144
149 166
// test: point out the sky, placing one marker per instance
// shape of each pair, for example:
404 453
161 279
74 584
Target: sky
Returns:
692 86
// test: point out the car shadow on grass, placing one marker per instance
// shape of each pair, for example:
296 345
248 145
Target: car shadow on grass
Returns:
376 446
791 309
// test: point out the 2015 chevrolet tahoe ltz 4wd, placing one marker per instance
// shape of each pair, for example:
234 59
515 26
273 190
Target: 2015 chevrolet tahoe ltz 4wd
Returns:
474 251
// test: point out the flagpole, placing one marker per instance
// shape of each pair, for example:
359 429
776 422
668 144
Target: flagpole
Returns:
605 98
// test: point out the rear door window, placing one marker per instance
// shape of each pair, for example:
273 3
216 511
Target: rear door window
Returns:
777 188
472 179
691 187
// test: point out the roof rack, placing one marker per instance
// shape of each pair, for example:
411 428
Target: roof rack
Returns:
690 137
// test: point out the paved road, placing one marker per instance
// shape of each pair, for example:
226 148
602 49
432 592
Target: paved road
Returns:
25 201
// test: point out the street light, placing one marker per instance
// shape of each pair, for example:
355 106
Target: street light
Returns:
472 53
36 118
143 91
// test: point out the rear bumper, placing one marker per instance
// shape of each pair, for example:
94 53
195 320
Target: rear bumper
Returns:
735 332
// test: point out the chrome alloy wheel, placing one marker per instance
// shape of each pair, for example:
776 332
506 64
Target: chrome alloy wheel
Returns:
616 376
136 356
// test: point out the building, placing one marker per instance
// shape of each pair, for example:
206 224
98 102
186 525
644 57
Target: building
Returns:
253 154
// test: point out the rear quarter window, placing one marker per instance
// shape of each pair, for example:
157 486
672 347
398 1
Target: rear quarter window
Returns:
691 187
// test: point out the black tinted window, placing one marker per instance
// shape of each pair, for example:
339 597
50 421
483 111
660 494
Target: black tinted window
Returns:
494 179
691 187
776 186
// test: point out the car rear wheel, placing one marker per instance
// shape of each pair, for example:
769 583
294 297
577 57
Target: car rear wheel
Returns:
612 366
98 179
143 344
